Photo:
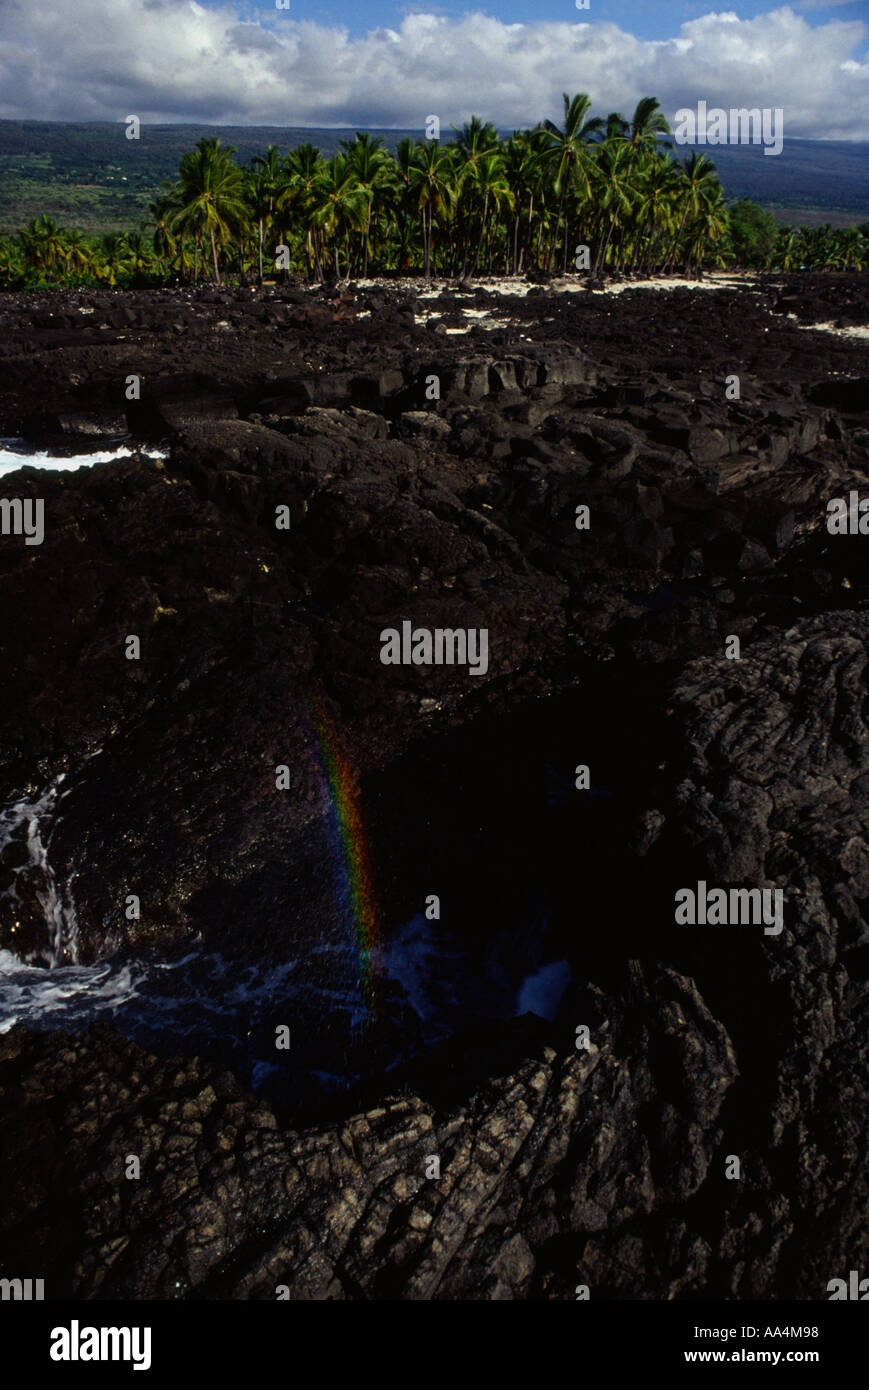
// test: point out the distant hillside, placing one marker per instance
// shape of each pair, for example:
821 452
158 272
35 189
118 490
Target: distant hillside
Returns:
819 175
89 175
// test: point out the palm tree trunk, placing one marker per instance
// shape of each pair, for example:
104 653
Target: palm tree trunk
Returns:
482 233
403 246
600 259
675 247
214 256
530 237
554 242
365 253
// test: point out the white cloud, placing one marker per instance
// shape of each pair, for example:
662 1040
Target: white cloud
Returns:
171 60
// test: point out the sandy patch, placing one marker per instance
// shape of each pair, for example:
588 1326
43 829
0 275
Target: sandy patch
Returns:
730 282
483 319
718 280
519 289
858 332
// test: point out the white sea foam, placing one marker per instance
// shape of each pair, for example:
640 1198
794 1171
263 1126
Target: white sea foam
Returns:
199 995
202 1002
198 1000
67 996
30 822
14 454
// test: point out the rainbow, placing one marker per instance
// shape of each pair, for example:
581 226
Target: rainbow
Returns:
349 848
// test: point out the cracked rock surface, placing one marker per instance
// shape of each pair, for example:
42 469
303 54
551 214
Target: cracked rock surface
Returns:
558 1166
542 1171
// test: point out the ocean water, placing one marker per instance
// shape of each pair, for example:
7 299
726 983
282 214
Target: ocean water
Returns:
29 880
196 1001
16 453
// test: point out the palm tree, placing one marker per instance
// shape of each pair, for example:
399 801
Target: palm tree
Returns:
78 253
116 256
432 190
657 184
853 248
708 229
264 187
789 249
368 164
615 127
11 263
303 169
509 203
211 195
532 185
490 179
616 193
141 255
339 203
477 140
566 153
699 189
41 243
162 212
404 163
647 125
522 174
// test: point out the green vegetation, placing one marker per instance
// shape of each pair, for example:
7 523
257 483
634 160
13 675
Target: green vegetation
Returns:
479 204
90 175
753 234
757 242
822 248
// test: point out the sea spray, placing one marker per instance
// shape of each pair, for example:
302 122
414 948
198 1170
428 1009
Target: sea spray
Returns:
17 453
349 849
26 828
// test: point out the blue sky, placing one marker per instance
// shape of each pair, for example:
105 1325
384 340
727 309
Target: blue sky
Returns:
648 19
378 63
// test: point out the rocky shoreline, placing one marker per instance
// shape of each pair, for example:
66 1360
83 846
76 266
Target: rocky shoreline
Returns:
448 504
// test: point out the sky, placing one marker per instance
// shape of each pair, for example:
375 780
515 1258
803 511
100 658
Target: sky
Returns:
376 63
